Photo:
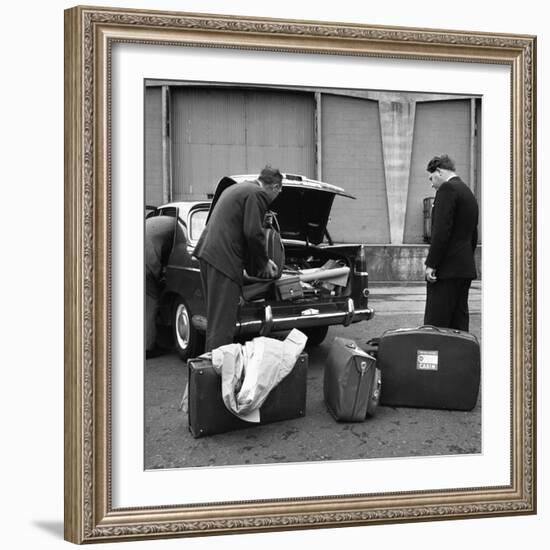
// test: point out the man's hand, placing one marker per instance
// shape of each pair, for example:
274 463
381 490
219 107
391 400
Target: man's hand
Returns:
430 275
270 270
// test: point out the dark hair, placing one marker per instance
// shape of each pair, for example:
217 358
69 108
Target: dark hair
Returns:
442 161
271 176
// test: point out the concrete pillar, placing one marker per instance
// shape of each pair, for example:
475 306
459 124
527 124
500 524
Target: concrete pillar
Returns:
397 126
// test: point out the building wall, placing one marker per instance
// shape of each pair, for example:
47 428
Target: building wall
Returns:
217 132
352 158
374 144
153 146
432 136
403 263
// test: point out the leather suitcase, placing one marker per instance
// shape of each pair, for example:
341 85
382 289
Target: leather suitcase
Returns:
208 414
429 367
274 249
274 244
351 385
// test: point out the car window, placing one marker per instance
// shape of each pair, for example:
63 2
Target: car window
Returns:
150 211
198 222
168 211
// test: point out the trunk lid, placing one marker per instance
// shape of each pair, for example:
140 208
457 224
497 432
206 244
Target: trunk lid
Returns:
302 208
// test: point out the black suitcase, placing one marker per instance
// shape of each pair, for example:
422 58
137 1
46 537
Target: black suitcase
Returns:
208 414
351 385
274 244
429 367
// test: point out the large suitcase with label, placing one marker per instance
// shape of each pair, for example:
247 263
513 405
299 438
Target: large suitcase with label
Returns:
429 367
351 384
208 414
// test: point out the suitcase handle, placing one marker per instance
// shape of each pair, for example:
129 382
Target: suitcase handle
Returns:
431 327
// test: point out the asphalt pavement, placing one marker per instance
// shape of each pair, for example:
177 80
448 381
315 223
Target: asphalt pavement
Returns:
393 432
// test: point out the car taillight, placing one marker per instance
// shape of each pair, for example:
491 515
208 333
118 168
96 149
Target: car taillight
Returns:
361 278
361 261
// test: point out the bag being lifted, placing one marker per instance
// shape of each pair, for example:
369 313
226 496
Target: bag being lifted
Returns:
273 242
352 382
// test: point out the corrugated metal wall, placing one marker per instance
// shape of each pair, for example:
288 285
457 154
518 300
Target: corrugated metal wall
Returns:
433 136
352 158
221 132
153 146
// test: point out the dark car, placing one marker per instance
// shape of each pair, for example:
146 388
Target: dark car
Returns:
302 210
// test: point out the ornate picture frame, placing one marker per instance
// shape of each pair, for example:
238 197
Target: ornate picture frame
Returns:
90 34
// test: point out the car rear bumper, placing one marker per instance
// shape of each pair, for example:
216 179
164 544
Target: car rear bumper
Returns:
271 321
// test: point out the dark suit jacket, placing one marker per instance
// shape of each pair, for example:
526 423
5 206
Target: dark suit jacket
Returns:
454 231
159 238
234 237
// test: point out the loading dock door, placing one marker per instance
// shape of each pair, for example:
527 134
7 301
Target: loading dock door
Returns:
217 132
440 127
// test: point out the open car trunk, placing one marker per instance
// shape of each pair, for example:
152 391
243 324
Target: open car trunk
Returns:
314 273
318 301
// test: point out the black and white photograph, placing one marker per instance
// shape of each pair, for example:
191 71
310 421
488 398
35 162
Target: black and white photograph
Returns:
313 274
299 274
286 281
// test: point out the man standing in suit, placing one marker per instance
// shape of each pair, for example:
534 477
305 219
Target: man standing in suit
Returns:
232 239
450 265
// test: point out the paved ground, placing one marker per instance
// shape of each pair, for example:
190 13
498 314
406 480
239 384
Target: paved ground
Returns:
394 432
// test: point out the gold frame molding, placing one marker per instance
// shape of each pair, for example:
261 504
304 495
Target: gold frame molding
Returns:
89 35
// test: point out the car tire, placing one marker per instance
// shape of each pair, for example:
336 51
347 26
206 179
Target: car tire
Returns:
188 341
315 335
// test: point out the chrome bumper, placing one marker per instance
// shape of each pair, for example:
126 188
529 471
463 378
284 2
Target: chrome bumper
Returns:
269 324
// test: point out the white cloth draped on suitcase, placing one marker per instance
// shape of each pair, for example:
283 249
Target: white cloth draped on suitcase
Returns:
251 370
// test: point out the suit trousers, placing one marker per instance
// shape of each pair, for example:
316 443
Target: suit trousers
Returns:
222 296
447 303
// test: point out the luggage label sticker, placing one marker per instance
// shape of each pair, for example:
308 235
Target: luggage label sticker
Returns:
426 360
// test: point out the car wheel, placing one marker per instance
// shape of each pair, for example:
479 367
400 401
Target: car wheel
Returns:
188 342
315 335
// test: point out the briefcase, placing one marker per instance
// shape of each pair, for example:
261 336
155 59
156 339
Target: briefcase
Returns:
429 367
288 287
352 382
208 414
